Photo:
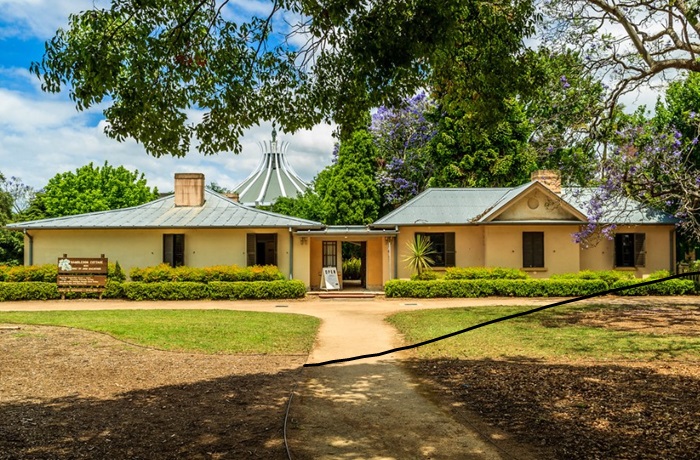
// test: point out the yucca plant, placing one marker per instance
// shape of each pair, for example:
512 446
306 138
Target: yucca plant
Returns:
420 251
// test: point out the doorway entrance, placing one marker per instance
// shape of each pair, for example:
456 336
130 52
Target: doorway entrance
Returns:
354 256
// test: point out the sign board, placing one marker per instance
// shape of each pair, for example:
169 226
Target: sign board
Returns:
75 265
329 279
82 280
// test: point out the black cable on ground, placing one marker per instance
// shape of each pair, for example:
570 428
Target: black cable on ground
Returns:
498 320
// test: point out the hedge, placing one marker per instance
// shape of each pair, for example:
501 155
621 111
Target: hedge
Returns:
670 287
291 289
165 272
609 276
489 287
188 290
30 290
490 273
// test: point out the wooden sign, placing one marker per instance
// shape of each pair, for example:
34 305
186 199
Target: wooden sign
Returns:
73 265
82 280
329 279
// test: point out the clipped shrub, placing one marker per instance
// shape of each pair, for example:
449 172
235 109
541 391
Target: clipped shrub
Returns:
46 273
185 290
28 290
425 275
497 287
609 276
670 287
280 289
492 273
164 272
4 269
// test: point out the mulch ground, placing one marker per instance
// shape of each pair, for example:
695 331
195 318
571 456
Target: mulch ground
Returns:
584 410
67 393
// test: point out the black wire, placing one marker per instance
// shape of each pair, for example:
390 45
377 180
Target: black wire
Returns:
498 320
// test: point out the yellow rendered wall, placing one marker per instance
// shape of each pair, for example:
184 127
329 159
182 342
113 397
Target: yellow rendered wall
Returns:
504 248
659 247
143 248
376 256
469 245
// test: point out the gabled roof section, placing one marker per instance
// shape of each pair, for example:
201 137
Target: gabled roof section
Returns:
444 206
513 197
217 212
455 206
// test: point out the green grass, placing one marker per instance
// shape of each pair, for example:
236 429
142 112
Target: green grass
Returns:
201 331
544 335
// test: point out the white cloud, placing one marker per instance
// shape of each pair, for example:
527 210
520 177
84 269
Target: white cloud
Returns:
40 18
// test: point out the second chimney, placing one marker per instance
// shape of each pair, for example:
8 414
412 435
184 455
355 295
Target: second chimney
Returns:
189 189
549 178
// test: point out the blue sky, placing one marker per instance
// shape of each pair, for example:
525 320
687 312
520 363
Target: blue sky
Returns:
42 134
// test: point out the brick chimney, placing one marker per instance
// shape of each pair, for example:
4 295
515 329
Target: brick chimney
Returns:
549 178
233 196
189 189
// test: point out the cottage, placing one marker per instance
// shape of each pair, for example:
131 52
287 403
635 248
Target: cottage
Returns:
529 227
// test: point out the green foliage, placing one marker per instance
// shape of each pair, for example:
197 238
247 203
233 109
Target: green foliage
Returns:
115 272
152 61
184 290
492 287
38 273
425 275
470 273
164 272
609 276
31 290
11 247
282 289
351 268
91 188
419 252
669 287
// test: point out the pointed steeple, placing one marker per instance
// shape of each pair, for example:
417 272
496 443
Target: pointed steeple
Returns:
273 177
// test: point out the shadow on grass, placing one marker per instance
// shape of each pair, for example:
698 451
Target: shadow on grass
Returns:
619 410
233 417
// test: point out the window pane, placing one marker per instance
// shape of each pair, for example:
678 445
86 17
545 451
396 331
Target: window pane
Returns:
533 249
330 254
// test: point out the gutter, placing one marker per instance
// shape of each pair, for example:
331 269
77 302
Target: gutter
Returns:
30 255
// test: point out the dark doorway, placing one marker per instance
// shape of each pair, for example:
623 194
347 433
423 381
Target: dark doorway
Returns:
354 264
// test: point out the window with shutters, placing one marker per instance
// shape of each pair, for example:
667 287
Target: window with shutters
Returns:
261 249
533 249
330 254
443 245
174 249
630 250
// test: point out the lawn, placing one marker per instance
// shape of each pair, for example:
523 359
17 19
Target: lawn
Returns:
201 331
603 332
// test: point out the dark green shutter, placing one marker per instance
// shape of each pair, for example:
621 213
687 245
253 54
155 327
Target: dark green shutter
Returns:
449 249
168 249
640 254
250 249
533 249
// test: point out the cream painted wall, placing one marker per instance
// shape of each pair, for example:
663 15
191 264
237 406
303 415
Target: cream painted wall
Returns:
504 248
537 205
376 258
143 248
469 245
659 248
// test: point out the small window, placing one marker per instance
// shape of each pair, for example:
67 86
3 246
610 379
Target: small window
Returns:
533 249
630 250
261 249
330 254
443 245
174 249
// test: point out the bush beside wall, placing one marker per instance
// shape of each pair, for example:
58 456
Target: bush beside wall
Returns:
165 272
491 287
29 290
490 273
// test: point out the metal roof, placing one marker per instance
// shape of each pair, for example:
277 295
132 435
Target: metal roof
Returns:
445 206
272 178
217 212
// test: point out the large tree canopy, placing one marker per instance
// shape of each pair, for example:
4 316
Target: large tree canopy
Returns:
91 188
153 62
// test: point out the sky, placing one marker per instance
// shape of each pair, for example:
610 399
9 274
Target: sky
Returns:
43 134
